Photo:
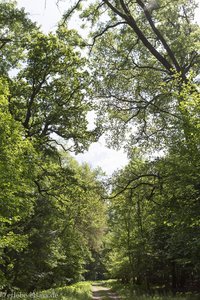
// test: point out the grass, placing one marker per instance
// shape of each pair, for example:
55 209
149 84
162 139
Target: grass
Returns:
78 291
82 291
128 292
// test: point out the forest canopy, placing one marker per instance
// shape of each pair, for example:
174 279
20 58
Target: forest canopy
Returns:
62 222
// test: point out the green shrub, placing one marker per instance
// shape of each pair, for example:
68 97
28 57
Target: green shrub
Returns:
130 292
78 291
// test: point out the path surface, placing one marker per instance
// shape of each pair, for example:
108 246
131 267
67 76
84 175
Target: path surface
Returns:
101 293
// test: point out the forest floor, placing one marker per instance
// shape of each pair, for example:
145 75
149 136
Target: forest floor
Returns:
103 293
112 289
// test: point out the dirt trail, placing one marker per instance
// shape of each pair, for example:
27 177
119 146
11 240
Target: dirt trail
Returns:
101 293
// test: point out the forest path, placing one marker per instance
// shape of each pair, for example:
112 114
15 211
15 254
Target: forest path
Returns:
103 293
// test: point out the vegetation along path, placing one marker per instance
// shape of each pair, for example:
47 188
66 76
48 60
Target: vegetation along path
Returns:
103 293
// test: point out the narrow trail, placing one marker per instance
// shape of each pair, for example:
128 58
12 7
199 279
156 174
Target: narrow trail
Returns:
101 293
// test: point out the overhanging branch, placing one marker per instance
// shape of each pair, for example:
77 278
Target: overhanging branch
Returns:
159 36
132 23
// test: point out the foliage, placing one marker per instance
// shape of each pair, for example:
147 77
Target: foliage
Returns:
52 215
145 65
154 216
55 82
16 193
143 78
136 57
62 230
131 291
15 34
78 291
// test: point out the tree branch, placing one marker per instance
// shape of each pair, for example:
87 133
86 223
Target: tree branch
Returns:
132 23
4 42
71 10
105 30
123 189
160 36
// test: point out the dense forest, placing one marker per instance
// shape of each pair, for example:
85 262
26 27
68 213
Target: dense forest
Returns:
63 222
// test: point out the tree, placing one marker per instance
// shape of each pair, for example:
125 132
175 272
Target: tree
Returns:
49 94
153 222
144 61
48 203
132 50
67 223
16 194
48 81
131 217
15 35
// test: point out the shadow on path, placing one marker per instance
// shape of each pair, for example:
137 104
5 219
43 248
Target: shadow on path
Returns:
101 293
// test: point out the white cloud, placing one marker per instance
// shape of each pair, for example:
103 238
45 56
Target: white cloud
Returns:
99 155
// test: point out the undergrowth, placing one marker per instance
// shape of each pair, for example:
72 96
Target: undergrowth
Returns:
78 291
130 292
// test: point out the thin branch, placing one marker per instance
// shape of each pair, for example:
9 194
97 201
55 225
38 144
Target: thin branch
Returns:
4 42
105 30
151 102
45 191
195 55
127 186
150 67
61 145
71 10
35 91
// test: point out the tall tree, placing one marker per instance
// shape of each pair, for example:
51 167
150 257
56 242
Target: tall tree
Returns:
154 216
17 171
67 224
138 54
48 204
